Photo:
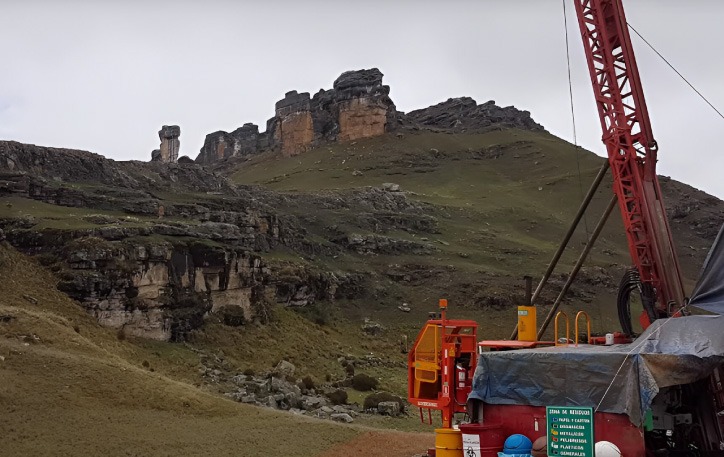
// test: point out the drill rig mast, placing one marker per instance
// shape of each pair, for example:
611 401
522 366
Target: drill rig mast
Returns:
632 152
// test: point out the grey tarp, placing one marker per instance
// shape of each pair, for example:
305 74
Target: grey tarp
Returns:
709 291
670 352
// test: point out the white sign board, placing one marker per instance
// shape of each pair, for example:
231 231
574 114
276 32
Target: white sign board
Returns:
471 445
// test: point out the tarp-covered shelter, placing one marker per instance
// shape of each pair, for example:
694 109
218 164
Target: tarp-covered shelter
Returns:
709 291
623 378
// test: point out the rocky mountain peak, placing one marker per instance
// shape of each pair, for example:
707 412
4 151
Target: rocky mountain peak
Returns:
357 106
360 82
464 113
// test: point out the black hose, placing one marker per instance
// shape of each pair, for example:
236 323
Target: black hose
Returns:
629 282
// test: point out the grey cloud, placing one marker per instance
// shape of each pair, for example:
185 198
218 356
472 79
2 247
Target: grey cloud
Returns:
104 76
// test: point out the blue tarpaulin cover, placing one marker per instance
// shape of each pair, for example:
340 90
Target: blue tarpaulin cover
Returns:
709 291
621 378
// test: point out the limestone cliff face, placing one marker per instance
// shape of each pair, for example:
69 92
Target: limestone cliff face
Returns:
159 290
365 108
159 274
296 133
359 118
293 127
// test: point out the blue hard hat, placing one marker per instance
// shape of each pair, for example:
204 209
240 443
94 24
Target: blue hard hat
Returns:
517 444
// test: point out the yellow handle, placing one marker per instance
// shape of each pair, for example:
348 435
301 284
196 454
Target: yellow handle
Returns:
588 325
555 328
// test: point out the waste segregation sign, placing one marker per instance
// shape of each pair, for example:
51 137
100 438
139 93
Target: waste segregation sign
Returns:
570 431
471 445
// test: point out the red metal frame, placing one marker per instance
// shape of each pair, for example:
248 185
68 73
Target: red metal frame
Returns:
631 148
506 345
456 338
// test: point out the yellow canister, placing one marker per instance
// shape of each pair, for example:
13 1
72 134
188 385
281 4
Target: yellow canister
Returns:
448 442
527 323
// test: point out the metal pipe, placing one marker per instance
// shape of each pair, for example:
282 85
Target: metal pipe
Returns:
528 290
577 267
562 247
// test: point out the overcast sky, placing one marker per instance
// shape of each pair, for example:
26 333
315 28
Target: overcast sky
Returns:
105 75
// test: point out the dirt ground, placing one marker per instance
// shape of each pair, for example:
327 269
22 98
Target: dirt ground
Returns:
383 444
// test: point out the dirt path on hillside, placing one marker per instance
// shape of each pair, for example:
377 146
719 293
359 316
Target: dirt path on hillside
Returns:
383 444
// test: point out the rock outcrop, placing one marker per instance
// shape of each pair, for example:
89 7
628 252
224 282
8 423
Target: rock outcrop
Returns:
242 142
464 114
292 129
38 171
159 290
365 108
170 144
152 273
280 389
358 106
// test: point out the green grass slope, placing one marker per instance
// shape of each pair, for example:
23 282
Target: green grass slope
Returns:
519 188
73 388
503 201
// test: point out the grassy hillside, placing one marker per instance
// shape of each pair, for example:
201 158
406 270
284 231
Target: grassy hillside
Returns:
475 213
502 200
496 191
73 388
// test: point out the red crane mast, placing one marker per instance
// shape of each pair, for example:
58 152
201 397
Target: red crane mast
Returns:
631 152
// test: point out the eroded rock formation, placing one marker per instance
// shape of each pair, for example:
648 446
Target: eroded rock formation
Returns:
464 113
242 142
293 127
365 108
358 106
159 290
170 144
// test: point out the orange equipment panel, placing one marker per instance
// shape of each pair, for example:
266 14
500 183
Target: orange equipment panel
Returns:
441 365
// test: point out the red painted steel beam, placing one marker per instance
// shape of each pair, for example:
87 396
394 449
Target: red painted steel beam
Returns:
631 148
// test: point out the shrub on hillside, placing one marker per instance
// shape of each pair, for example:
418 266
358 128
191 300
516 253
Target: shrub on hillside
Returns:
364 382
232 316
338 397
372 400
321 313
308 382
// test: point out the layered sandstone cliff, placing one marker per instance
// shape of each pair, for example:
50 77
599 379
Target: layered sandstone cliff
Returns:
357 106
159 290
170 144
151 273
